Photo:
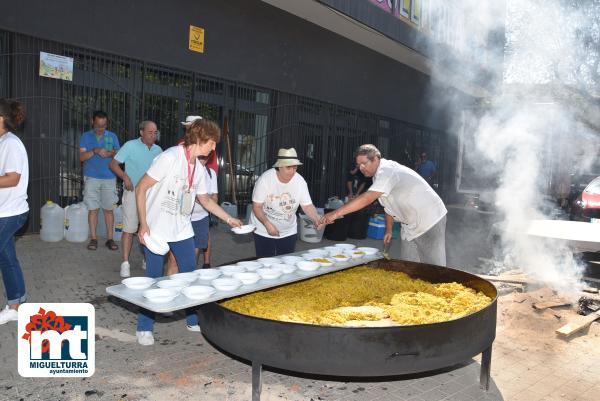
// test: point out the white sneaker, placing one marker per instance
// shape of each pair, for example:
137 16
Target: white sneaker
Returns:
144 337
125 267
144 264
193 328
8 315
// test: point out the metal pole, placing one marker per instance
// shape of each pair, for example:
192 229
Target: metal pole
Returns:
486 364
256 380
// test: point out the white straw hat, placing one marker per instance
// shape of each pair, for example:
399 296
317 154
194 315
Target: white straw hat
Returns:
190 119
287 157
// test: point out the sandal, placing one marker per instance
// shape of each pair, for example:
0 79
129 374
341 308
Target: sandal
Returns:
92 245
110 244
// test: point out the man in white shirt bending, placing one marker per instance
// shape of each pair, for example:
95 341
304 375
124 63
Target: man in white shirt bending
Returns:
406 197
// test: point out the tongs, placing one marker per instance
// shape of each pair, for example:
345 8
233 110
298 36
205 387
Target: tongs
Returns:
386 250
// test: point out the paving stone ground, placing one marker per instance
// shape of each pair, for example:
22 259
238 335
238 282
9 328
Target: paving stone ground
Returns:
183 366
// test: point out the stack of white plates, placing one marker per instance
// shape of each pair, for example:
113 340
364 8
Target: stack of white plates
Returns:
160 295
138 283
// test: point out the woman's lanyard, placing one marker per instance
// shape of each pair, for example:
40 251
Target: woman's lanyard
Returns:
190 177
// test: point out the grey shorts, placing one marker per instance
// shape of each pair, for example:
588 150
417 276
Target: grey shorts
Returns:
98 193
129 209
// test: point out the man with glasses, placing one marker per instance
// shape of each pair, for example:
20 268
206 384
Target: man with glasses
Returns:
406 197
137 155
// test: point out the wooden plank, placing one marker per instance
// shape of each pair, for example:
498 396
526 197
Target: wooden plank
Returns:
577 325
551 304
517 279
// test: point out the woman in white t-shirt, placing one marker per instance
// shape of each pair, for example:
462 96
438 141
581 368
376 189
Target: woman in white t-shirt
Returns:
275 200
14 177
165 197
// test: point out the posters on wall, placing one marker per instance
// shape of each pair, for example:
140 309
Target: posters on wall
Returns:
55 66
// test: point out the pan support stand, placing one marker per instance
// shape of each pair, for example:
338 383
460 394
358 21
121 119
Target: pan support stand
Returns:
486 364
256 380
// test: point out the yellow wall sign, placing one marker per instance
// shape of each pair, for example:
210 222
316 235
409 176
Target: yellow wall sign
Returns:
196 39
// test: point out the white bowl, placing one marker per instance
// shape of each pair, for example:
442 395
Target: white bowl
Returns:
173 283
229 270
307 266
269 274
190 277
320 252
357 254
208 274
248 228
309 256
250 265
346 247
285 268
268 261
367 250
156 244
291 259
339 257
332 250
198 292
322 261
247 278
226 284
160 295
138 283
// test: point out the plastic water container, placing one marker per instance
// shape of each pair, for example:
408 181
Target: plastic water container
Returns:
231 209
77 228
308 231
118 223
52 222
334 203
376 228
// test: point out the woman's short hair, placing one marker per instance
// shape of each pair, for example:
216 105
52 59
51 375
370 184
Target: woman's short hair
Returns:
368 150
201 131
13 113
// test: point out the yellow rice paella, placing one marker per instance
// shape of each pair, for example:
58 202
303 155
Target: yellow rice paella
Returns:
362 296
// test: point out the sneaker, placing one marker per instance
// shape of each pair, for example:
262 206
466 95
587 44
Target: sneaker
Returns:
144 264
8 315
125 269
144 337
193 328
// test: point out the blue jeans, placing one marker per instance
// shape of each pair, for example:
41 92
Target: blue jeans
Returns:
186 260
267 247
12 275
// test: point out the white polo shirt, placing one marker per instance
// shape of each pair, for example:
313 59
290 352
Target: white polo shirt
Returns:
408 198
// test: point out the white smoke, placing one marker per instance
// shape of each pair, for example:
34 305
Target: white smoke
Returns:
527 128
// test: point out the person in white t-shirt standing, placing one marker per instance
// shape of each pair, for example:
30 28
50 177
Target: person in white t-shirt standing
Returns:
275 200
14 177
407 198
165 197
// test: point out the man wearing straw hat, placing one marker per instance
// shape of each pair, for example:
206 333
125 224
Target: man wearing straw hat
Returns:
275 199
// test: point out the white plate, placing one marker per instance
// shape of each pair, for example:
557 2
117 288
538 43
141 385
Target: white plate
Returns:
291 259
156 244
247 278
285 268
208 274
268 261
226 284
190 277
309 256
332 250
367 250
138 283
328 262
173 283
248 228
229 270
339 257
250 265
160 295
346 247
269 274
307 266
358 254
320 252
198 292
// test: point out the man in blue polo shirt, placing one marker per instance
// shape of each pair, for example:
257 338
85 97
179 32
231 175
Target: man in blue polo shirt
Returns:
137 154
426 168
96 150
